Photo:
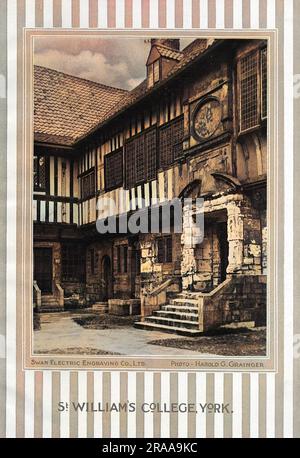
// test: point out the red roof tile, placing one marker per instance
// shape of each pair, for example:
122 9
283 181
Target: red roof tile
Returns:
66 107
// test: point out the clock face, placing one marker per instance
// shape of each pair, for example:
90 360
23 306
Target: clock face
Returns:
207 118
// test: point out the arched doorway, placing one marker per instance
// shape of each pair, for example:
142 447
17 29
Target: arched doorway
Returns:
107 278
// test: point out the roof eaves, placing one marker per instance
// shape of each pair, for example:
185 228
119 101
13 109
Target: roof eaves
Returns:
154 89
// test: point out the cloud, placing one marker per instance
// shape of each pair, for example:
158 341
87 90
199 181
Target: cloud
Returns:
118 62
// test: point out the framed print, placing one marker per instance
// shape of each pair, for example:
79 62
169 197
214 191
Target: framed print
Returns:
149 213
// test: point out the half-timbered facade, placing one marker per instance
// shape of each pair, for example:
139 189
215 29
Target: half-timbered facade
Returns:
195 127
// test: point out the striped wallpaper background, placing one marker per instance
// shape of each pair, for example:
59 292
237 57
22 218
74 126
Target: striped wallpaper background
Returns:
262 403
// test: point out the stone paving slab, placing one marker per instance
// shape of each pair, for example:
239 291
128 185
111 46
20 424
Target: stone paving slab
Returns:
60 331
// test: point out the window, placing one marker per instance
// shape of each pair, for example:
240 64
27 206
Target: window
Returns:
150 150
264 80
171 142
88 184
164 249
119 259
39 173
113 163
122 259
130 164
150 75
153 71
137 261
72 263
140 159
92 261
252 69
156 71
125 258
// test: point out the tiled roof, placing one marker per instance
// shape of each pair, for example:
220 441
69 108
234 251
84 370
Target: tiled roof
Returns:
191 52
168 52
66 107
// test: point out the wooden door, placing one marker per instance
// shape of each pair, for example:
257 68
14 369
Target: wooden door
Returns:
43 269
223 249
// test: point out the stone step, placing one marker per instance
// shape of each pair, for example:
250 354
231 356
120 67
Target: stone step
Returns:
179 308
101 307
184 302
50 308
49 298
181 331
191 295
172 322
50 304
176 315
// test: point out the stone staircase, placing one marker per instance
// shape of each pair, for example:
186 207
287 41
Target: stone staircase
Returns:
179 316
100 307
49 303
240 301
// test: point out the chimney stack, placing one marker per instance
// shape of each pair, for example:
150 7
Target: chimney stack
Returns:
172 43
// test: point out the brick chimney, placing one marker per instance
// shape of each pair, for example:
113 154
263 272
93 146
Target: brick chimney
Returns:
172 43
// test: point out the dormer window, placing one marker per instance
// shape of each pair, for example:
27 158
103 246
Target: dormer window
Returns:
153 73
164 54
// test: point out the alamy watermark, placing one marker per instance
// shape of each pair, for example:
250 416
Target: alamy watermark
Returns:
181 216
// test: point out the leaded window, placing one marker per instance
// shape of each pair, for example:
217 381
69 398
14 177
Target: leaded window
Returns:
88 184
252 78
151 156
122 258
171 142
248 91
72 257
140 159
130 164
92 260
156 71
113 167
164 249
125 258
40 173
153 73
264 81
119 259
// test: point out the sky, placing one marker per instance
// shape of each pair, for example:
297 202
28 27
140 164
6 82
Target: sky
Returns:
115 62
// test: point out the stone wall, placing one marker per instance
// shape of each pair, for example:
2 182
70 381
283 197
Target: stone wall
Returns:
252 240
242 299
154 273
74 294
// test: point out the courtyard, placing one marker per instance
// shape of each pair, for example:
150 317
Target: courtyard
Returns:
87 333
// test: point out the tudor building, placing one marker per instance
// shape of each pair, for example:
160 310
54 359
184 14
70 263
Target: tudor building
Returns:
195 127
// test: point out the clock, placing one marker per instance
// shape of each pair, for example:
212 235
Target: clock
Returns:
207 118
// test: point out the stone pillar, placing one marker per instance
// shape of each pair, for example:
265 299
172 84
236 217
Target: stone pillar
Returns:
264 242
150 270
191 236
235 234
